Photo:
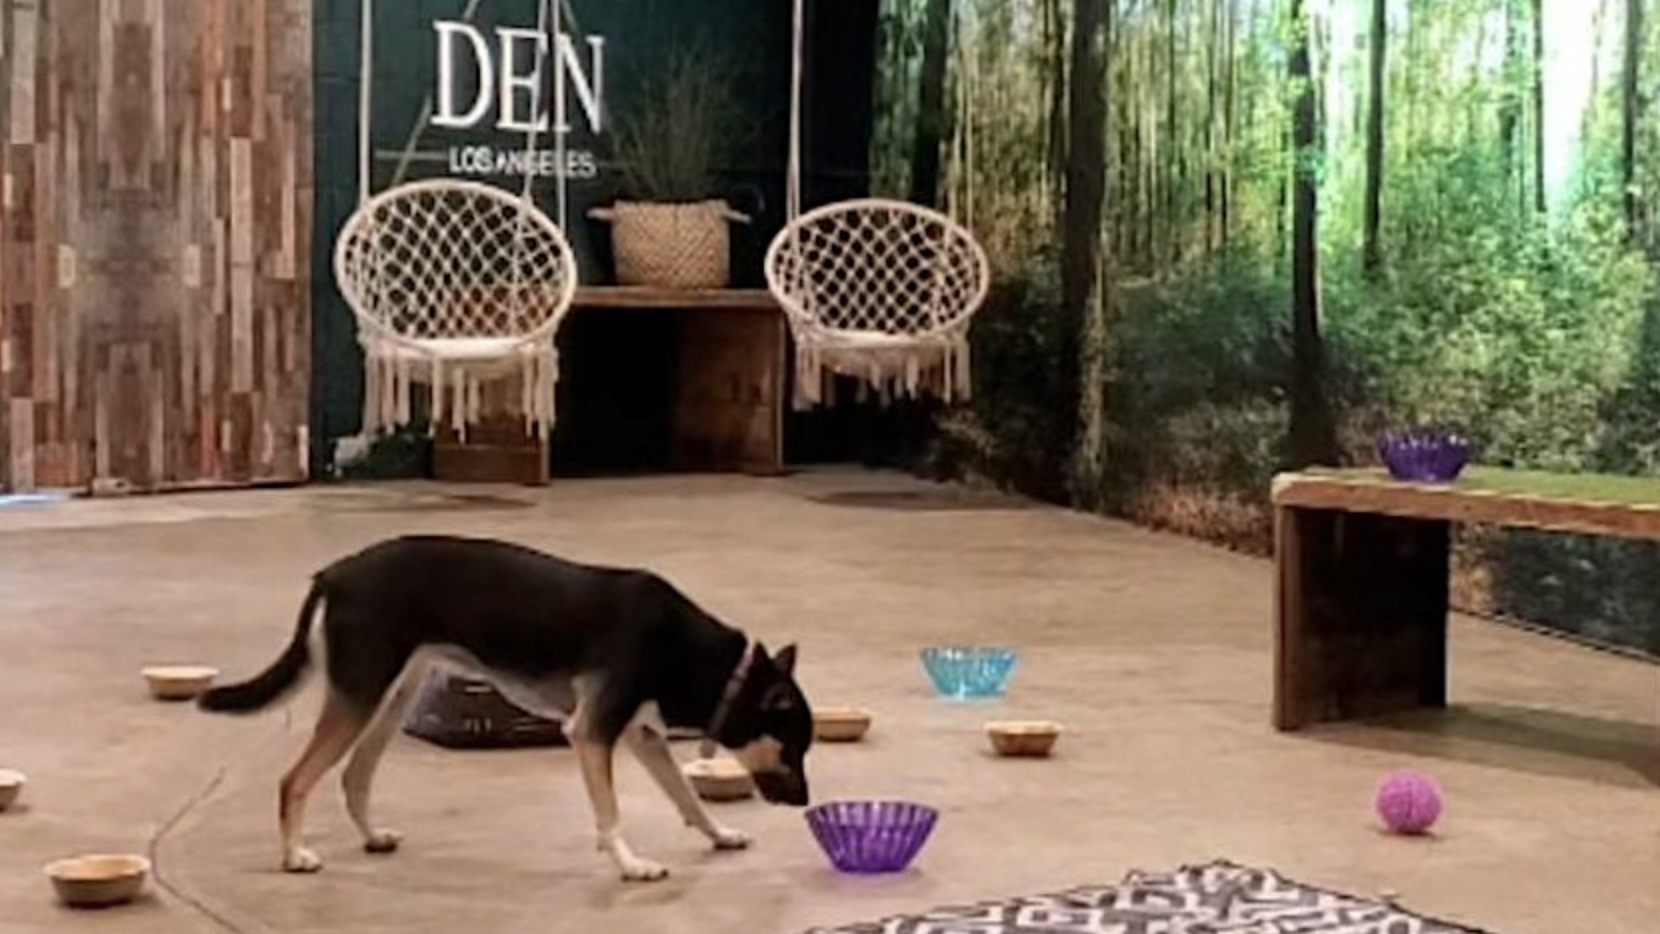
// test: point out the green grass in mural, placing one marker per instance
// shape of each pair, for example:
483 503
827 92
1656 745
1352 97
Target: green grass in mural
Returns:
1590 487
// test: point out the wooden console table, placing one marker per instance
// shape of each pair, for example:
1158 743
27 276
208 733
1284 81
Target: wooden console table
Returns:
728 406
1362 564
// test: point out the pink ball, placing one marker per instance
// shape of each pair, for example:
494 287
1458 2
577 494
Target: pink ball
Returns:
1409 802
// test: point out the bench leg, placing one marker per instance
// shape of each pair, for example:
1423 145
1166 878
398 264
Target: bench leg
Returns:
1362 615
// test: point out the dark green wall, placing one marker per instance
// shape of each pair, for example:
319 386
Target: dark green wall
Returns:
753 34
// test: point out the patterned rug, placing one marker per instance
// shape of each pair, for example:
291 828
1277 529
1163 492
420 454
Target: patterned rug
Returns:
1217 898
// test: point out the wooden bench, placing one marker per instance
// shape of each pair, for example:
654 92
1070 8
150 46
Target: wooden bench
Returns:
1362 564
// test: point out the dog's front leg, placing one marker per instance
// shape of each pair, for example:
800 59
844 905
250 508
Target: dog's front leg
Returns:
654 754
595 760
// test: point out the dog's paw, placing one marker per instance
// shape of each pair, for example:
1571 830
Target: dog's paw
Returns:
301 860
644 870
725 838
382 842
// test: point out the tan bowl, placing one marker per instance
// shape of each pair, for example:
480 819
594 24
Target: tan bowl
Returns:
179 682
1024 738
11 785
841 724
98 880
720 779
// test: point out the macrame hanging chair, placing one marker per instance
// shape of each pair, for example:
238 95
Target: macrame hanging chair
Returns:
880 290
454 283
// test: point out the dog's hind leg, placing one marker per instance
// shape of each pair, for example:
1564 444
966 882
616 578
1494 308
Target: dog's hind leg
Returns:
360 770
652 749
338 726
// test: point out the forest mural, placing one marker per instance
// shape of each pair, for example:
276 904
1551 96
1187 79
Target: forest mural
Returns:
1236 236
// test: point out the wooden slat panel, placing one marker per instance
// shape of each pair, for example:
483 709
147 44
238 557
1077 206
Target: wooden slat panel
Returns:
154 242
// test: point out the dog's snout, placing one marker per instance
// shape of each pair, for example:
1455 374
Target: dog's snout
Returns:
782 788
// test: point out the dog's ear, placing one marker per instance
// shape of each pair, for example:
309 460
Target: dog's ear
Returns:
785 660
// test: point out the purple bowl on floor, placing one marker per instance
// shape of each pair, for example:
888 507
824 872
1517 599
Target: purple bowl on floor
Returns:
868 837
1424 455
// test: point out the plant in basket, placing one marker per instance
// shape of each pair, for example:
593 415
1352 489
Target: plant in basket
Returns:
668 227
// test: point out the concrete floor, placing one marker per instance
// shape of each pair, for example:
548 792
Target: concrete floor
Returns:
1153 650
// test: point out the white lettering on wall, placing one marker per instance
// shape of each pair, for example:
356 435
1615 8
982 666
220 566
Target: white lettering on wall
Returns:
505 83
448 115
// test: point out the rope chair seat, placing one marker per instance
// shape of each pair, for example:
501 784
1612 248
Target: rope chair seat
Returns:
880 290
454 283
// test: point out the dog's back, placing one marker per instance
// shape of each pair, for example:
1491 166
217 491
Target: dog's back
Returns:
516 610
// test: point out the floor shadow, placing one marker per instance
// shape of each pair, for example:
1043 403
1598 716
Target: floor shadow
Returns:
407 502
1532 740
943 500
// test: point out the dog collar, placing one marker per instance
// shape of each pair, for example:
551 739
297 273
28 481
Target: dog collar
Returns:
734 684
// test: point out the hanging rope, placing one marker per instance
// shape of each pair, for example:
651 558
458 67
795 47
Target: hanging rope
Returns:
365 76
555 60
421 119
792 190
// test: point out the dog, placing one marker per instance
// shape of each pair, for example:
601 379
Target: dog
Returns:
619 655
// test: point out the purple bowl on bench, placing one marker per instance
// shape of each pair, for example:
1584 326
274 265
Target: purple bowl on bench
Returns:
1424 455
868 837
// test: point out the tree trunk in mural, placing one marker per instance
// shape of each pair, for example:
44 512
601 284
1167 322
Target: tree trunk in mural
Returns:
1539 106
1593 94
1230 120
932 118
1510 106
1081 285
1218 120
1175 164
1631 110
1313 434
1372 240
156 294
1054 18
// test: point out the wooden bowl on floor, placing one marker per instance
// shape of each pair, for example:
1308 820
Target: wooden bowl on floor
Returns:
179 682
841 724
98 880
11 785
720 779
1023 738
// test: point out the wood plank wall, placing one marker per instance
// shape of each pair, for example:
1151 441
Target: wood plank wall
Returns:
155 241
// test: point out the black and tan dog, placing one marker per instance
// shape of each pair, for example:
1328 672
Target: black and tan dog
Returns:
620 655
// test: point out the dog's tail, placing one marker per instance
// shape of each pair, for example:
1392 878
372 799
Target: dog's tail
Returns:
281 677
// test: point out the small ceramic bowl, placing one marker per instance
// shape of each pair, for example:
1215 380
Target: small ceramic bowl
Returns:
11 785
719 779
179 682
841 724
1023 738
98 880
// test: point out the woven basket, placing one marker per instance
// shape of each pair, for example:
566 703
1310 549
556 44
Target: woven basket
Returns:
466 713
684 246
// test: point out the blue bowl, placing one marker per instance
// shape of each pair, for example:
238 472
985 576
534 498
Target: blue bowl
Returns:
868 837
1424 455
964 672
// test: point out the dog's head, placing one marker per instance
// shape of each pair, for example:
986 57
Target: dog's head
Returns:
770 727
